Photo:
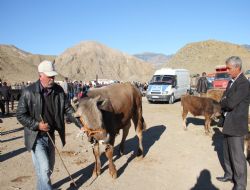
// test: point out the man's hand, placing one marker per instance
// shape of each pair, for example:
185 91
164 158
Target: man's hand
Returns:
43 126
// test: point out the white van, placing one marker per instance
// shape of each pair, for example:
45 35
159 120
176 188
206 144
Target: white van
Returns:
168 85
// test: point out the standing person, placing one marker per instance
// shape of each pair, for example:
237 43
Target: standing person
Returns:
65 86
6 94
235 105
1 100
202 85
41 110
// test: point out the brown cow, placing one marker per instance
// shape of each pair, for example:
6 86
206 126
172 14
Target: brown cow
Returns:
200 106
107 110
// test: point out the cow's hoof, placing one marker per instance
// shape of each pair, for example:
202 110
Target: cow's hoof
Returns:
96 174
207 133
113 174
138 158
121 152
139 153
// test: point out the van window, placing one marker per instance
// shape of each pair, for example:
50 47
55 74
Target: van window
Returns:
163 79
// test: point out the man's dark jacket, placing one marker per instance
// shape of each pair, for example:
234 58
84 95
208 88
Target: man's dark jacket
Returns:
235 102
202 85
29 112
5 92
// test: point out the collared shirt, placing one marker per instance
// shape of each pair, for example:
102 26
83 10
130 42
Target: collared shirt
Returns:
233 80
47 110
45 91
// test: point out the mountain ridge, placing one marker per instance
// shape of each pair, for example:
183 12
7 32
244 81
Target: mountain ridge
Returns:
206 55
87 59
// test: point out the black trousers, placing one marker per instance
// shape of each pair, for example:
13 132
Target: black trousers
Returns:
6 102
2 106
235 160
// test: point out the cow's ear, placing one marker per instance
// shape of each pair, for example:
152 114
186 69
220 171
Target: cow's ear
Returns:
105 105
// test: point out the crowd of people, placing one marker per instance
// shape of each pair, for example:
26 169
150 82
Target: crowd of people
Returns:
73 89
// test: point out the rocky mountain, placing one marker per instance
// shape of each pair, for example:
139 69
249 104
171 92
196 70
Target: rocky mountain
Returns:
204 56
87 59
155 58
246 46
17 65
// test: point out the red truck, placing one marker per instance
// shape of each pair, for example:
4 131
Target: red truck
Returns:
221 77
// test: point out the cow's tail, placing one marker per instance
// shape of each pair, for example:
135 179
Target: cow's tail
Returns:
144 126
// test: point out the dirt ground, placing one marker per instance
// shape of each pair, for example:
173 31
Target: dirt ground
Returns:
174 159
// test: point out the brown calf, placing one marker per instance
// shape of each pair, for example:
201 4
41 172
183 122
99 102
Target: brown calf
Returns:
198 106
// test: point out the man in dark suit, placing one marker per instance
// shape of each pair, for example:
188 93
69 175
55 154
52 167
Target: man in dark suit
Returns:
235 105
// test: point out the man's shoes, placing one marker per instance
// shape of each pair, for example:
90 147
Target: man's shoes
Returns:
224 179
236 187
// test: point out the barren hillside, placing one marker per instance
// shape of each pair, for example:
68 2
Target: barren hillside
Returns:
17 65
88 59
204 56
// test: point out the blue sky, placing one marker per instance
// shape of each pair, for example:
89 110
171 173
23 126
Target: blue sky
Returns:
131 26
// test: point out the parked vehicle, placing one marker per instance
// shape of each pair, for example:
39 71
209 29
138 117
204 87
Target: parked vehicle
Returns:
221 77
210 78
168 85
247 74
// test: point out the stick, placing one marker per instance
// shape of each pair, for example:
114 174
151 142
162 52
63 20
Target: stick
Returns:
59 155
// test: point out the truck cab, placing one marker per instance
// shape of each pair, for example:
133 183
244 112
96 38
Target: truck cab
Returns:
221 77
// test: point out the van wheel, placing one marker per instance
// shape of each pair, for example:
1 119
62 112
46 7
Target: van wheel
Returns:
171 99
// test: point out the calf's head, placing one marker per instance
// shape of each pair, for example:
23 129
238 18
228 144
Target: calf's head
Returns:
89 110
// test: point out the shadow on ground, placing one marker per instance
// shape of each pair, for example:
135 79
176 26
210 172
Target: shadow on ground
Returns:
12 131
198 121
150 136
204 181
12 154
217 142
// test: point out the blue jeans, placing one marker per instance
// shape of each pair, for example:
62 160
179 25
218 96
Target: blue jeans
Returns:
43 156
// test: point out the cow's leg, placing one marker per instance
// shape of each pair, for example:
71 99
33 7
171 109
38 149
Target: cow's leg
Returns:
207 124
124 136
140 137
97 169
139 124
184 118
109 154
